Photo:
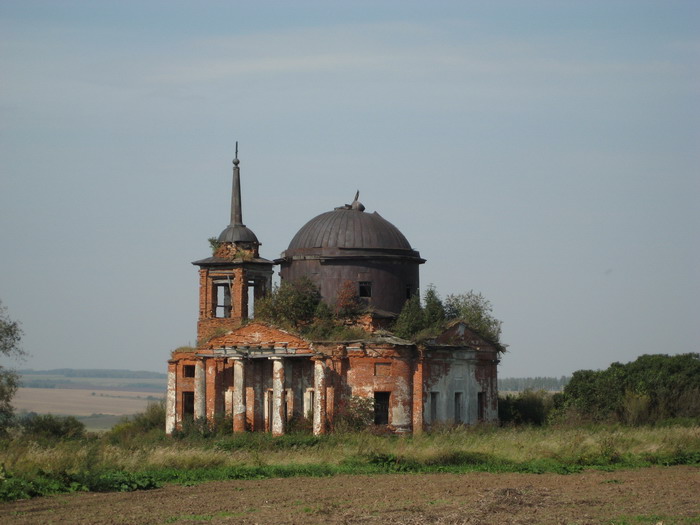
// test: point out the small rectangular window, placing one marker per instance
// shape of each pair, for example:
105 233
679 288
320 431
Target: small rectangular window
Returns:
481 401
188 371
365 289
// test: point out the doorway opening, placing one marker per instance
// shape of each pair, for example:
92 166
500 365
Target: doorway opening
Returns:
381 408
481 403
188 405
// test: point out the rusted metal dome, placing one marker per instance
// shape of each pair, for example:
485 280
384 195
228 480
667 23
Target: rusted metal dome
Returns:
349 229
347 244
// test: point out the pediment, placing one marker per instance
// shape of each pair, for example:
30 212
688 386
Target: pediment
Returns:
258 335
459 334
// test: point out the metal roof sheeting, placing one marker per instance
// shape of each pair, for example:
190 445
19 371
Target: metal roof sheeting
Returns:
348 228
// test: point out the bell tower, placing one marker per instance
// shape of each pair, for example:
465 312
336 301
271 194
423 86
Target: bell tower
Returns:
234 274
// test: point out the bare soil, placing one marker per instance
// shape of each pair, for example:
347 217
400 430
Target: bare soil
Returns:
653 495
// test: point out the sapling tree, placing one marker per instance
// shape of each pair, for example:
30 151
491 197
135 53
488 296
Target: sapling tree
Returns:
293 304
10 336
477 311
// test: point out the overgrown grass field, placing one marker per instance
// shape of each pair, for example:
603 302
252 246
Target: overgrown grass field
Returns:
125 460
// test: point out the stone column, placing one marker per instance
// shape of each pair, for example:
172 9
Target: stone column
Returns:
319 423
278 411
238 404
200 394
171 399
211 387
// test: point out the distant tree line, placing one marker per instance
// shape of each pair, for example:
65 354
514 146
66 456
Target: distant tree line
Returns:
519 384
652 389
96 372
87 385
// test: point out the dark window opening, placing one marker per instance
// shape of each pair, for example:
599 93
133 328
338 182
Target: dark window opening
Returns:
365 289
309 408
434 396
481 400
381 408
458 407
222 300
268 410
188 371
188 404
285 408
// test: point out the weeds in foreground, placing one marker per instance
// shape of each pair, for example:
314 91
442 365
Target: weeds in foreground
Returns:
39 467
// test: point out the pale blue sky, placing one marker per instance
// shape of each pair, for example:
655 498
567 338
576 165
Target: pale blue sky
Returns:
544 153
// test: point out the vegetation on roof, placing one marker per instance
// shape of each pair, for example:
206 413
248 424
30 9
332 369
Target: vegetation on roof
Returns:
298 306
424 321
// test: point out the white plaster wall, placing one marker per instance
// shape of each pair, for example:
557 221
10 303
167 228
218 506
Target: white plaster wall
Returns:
400 408
461 377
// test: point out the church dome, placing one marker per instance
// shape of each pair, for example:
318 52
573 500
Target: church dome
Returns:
238 233
349 245
345 228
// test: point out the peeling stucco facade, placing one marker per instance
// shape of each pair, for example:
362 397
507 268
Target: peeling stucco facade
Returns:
266 379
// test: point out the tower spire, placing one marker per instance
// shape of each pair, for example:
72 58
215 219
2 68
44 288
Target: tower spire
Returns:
236 211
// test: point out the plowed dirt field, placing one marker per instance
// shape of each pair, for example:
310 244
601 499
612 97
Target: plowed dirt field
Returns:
653 495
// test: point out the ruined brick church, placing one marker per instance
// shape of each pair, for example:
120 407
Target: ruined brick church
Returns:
262 376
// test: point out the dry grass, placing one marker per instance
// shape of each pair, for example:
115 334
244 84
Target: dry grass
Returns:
578 446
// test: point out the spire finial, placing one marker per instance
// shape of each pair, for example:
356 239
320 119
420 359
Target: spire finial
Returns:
236 211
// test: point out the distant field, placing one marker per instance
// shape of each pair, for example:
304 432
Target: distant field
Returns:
80 402
156 385
97 397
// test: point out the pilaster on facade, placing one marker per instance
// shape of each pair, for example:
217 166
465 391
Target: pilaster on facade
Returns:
239 293
211 366
418 396
200 394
